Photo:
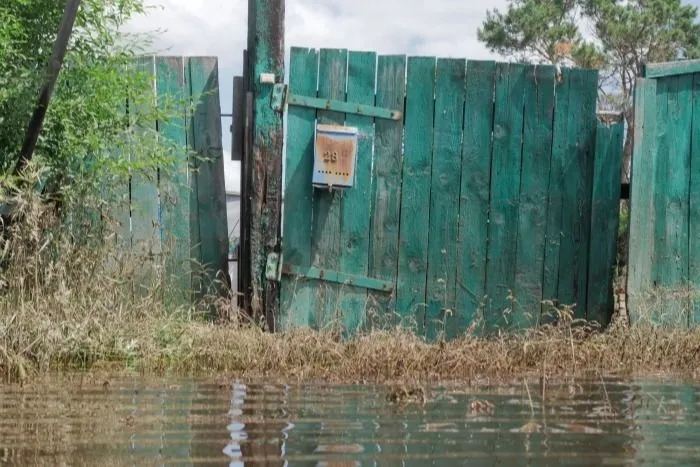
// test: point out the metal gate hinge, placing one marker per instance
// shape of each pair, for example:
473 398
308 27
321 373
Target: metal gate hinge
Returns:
281 97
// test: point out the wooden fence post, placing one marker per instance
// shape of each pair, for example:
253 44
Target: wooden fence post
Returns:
264 178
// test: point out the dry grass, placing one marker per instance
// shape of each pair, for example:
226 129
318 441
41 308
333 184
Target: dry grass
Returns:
64 307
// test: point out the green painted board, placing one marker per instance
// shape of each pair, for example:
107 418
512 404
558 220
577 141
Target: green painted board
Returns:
386 179
557 182
670 268
415 207
474 193
174 187
355 222
642 192
534 181
297 294
694 208
664 69
145 219
211 192
605 217
505 188
450 88
576 191
327 204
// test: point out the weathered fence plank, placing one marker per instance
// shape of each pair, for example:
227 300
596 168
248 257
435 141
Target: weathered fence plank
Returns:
297 294
325 234
355 223
211 193
578 172
694 208
174 185
415 211
444 195
557 181
472 239
145 208
386 177
605 221
534 190
505 192
642 194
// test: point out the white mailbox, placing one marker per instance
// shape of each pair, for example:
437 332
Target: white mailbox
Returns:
335 155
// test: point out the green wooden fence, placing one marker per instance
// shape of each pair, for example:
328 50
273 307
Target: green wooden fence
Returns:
490 195
174 219
664 247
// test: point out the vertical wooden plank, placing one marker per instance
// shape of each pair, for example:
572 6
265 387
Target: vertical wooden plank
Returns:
670 273
355 221
296 293
386 178
211 190
266 46
642 193
450 92
474 194
145 218
694 208
415 206
578 173
505 190
534 180
174 181
605 216
557 182
325 233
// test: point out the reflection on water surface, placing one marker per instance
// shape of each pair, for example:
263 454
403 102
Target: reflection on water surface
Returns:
140 421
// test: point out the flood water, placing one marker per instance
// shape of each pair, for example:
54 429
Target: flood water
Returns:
138 421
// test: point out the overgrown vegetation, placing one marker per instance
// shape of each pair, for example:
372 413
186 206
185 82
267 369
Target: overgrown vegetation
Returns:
70 298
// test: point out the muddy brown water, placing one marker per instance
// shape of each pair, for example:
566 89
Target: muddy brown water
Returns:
180 421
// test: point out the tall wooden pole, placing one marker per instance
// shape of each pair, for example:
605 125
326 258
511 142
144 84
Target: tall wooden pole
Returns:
266 56
52 71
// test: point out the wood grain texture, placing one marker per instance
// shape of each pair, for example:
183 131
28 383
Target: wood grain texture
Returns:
325 233
534 181
694 208
145 215
505 191
474 193
266 49
670 268
576 191
386 179
444 197
557 184
297 294
415 206
355 221
174 180
605 216
642 218
211 194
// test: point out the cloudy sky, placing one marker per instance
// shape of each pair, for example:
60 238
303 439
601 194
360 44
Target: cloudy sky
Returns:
415 27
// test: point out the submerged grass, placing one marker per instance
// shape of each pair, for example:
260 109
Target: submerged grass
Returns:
68 303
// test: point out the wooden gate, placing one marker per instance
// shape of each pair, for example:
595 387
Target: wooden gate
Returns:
472 208
664 248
